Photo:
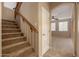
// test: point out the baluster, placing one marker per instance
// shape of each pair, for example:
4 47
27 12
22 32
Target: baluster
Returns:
29 36
26 30
33 40
36 42
28 33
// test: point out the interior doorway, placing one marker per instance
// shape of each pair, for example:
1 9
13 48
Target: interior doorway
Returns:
61 43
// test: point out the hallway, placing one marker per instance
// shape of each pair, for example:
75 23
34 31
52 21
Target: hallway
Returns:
60 45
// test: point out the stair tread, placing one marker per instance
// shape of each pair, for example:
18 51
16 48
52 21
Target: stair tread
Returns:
14 38
11 33
12 45
18 52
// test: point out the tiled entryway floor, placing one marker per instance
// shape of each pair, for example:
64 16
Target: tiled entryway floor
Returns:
60 47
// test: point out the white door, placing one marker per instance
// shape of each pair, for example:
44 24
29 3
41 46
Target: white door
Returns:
45 30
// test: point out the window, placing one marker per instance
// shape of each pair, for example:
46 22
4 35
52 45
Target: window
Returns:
63 26
10 5
53 26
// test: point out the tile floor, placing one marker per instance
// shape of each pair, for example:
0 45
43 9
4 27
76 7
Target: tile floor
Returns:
60 47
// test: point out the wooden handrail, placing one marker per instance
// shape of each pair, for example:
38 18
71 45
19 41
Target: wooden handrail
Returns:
18 13
18 5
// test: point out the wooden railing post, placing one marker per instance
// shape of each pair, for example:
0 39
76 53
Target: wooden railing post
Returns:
17 8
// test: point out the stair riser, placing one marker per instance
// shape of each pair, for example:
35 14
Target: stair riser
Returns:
10 31
18 47
11 35
13 41
8 23
10 27
5 21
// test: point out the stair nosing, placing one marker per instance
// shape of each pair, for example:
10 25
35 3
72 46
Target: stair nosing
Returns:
12 38
12 45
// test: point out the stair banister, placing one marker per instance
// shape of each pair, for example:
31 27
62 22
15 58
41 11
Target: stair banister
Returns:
32 27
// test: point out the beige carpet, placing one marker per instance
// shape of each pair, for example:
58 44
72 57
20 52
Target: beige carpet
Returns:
60 47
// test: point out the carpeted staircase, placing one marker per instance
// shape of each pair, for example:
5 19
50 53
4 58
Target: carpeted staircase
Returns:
14 44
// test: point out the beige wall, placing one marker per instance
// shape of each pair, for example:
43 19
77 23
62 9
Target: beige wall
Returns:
0 28
7 12
65 13
54 5
30 12
40 31
43 28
